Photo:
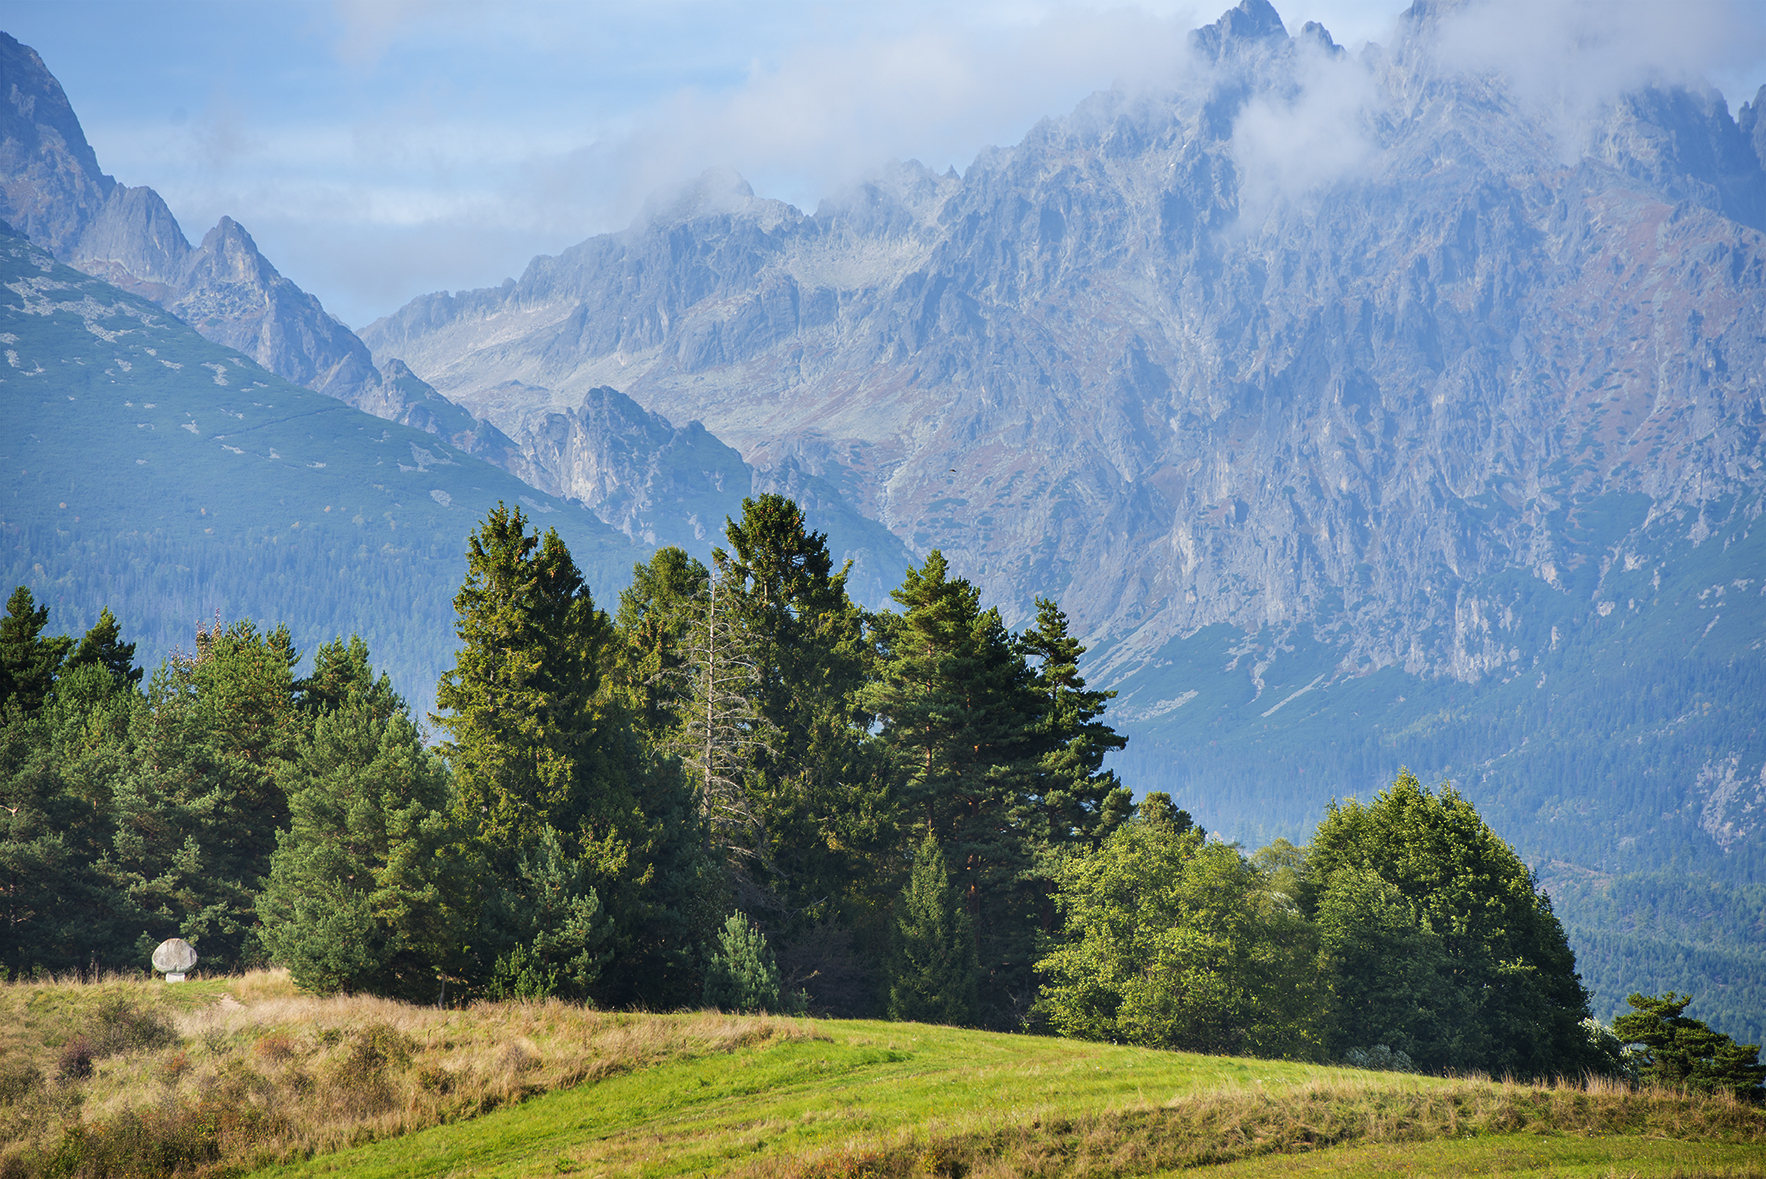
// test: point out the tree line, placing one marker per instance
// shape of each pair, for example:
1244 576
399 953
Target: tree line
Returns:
740 789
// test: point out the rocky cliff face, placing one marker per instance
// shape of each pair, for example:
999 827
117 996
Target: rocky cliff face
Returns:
52 190
1176 374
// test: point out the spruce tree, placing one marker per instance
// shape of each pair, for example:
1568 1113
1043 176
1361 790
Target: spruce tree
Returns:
656 614
1076 798
959 712
531 740
935 972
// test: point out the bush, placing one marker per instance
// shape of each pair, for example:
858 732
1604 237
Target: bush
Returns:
125 1026
75 1062
18 1079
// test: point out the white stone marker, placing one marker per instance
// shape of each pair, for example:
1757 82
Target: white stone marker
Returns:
174 957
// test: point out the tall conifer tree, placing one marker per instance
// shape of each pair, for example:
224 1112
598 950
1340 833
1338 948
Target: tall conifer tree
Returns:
530 739
934 972
28 658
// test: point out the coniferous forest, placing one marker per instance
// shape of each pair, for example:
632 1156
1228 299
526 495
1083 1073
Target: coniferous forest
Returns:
736 788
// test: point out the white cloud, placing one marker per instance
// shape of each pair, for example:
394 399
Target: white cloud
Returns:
1287 148
1567 59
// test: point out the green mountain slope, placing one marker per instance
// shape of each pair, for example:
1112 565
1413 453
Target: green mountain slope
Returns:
144 468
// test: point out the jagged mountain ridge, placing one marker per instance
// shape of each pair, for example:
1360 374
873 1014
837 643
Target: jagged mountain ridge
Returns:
1170 416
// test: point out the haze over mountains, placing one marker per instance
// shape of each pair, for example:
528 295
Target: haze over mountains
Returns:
1357 411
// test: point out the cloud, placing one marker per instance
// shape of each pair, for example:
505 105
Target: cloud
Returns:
1568 59
1286 148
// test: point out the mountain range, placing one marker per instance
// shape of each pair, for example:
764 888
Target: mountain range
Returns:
1429 438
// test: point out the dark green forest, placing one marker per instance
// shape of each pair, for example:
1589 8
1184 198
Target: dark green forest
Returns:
737 788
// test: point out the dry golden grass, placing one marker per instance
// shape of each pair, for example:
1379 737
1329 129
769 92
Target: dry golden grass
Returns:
1236 1123
215 1076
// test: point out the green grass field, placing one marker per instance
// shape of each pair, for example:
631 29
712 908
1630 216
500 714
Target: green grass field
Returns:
873 1099
235 1076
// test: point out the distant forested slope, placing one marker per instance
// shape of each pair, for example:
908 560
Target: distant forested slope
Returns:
172 479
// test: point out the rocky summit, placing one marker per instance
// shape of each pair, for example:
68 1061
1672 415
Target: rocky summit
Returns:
52 190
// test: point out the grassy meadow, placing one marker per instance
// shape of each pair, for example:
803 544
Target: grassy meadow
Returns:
235 1075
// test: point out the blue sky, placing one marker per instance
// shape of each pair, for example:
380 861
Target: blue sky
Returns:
381 150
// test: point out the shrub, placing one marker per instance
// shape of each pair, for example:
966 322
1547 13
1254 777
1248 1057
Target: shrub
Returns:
75 1062
125 1026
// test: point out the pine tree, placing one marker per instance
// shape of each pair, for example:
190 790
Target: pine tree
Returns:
341 673
29 661
367 884
935 972
740 975
547 924
1677 1050
103 646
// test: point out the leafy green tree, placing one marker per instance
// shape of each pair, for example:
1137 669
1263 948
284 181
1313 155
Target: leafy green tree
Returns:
103 646
1676 1050
1486 979
1173 941
368 882
29 659
1391 975
740 975
935 971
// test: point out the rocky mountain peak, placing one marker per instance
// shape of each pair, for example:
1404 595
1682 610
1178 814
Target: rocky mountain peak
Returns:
1250 23
50 185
